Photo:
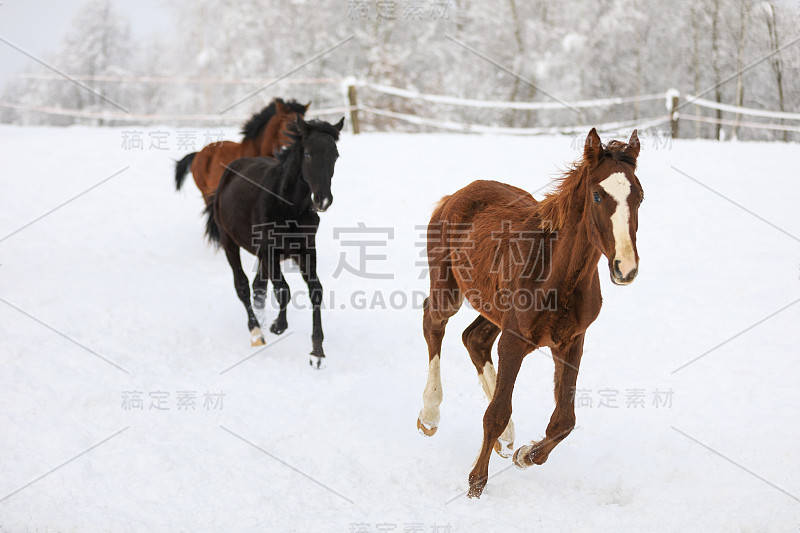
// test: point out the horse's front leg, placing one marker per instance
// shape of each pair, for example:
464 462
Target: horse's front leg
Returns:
567 360
511 350
308 267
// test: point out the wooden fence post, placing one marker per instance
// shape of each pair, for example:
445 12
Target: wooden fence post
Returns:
673 97
353 102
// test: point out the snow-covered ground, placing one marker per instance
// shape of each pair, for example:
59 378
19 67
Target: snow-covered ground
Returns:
124 271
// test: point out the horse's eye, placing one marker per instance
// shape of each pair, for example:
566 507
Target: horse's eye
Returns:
641 200
307 155
596 197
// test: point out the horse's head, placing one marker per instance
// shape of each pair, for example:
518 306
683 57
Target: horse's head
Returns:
319 157
286 113
613 197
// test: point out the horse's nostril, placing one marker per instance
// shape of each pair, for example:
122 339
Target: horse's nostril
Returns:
616 268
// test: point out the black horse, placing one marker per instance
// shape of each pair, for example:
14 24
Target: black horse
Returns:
268 206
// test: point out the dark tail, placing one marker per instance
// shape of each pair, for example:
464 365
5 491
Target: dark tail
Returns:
182 168
212 229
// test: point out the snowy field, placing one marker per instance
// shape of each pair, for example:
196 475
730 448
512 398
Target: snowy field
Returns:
272 445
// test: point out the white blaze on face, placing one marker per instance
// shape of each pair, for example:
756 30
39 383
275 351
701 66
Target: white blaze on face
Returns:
619 188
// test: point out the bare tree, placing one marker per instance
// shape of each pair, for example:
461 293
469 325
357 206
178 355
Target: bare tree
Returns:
744 15
715 62
697 16
775 62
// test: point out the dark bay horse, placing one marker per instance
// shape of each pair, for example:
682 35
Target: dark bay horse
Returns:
269 207
530 269
263 134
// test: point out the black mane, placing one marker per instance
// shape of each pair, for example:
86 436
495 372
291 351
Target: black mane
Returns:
320 126
252 129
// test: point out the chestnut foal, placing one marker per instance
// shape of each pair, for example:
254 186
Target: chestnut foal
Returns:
265 133
530 269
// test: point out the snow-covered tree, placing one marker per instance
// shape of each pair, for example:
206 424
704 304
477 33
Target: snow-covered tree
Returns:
98 43
529 50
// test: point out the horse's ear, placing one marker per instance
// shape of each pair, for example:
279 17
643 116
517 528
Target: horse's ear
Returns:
307 106
279 107
593 147
633 145
339 125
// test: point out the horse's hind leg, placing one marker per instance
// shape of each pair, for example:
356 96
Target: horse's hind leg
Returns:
479 338
511 350
437 309
283 295
260 288
269 269
260 291
242 288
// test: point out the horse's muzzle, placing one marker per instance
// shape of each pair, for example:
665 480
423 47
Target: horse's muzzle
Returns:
618 278
323 204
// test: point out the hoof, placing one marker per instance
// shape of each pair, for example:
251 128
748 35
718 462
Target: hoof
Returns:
475 492
522 457
277 329
256 338
428 432
530 454
504 449
516 459
316 362
476 486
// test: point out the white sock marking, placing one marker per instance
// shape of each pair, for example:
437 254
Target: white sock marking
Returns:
488 380
432 397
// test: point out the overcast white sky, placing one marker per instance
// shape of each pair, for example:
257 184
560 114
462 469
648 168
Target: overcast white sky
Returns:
37 26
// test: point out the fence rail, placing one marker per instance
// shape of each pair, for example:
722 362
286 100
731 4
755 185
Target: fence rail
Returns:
151 118
479 128
468 102
741 124
177 79
741 110
671 97
351 87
